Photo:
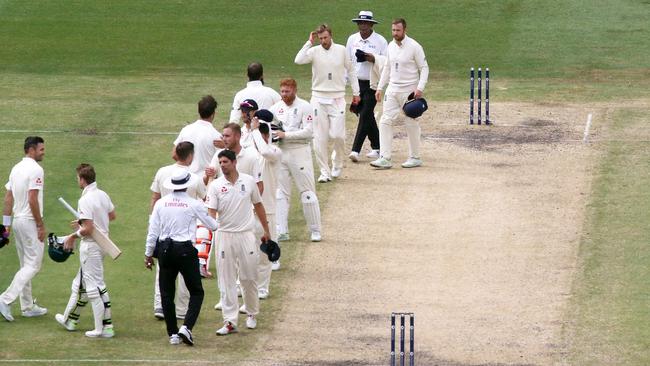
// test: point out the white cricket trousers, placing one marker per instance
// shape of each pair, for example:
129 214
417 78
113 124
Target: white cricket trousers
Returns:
329 124
182 294
392 112
233 249
30 257
296 163
264 267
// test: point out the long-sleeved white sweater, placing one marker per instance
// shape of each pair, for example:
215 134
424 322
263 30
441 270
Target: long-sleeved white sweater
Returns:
328 68
406 67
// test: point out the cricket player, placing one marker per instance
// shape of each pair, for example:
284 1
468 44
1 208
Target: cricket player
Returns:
24 202
95 211
362 47
271 156
184 154
255 90
203 135
406 71
297 119
233 197
330 65
248 107
172 230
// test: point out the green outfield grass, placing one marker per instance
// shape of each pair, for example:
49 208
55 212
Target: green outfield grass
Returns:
81 69
611 303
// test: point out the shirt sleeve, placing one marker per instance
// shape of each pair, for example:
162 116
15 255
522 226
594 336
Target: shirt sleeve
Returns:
268 151
304 56
235 113
154 231
36 180
155 185
211 200
256 197
423 66
352 75
385 73
202 214
85 210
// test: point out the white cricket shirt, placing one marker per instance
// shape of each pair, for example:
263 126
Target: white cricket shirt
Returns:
95 205
202 134
196 190
406 67
264 96
234 202
174 216
25 176
297 121
328 70
375 44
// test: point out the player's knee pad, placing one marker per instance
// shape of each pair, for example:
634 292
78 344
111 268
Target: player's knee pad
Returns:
308 197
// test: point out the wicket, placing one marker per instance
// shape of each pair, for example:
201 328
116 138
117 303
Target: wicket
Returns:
480 89
401 338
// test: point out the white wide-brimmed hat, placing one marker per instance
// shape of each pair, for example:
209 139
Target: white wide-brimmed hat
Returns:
365 16
181 179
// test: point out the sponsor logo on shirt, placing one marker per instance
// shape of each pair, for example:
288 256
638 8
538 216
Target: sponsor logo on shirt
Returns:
39 181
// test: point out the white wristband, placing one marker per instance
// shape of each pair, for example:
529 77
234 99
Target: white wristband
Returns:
78 234
6 220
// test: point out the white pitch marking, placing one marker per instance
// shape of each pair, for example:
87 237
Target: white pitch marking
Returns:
585 139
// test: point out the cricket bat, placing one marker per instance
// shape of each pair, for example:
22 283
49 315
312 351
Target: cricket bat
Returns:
104 242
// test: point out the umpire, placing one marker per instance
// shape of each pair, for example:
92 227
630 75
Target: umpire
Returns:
172 231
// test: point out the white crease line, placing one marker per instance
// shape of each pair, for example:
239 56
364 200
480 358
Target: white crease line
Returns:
585 139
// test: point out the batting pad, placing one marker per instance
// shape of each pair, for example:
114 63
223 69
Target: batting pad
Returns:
311 210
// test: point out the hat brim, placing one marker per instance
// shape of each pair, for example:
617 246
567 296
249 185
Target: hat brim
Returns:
174 187
356 20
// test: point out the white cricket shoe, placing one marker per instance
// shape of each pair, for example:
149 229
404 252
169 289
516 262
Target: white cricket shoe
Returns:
242 309
174 339
412 163
251 323
227 328
5 310
336 172
382 163
186 335
104 333
324 179
34 311
68 324
218 306
354 156
315 236
275 266
262 294
284 237
373 154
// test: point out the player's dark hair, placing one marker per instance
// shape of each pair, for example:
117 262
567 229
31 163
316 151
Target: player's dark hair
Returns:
207 106
255 71
184 149
227 154
32 142
264 128
87 172
398 21
234 127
